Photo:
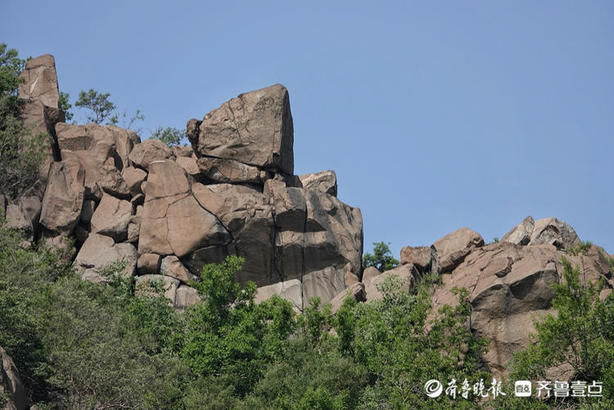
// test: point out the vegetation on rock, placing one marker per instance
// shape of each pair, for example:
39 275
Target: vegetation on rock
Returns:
381 258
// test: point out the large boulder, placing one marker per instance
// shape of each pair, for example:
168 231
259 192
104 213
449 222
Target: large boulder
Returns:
40 81
64 196
255 128
554 232
112 217
543 231
149 151
324 284
452 248
173 221
99 251
422 257
243 211
10 383
24 213
103 151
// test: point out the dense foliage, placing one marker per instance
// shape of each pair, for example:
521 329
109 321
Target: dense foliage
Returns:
84 345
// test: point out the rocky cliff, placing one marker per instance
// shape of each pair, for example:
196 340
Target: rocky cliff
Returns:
166 211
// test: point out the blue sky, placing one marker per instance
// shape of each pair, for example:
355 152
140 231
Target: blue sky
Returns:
434 114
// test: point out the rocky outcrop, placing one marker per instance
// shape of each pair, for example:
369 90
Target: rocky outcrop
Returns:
509 284
543 231
10 383
255 129
163 212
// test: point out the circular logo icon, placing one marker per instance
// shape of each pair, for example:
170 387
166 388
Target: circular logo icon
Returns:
433 388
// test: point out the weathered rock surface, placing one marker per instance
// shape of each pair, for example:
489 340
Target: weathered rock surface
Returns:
452 248
40 81
422 257
290 290
11 384
64 196
173 221
509 286
218 170
171 266
543 231
149 151
405 275
99 251
169 211
24 213
255 128
112 217
325 181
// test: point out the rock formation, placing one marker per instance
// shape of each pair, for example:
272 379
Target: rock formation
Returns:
508 282
164 212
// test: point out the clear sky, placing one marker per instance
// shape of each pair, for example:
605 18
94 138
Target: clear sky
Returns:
434 114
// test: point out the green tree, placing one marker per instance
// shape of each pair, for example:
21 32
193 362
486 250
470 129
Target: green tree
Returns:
65 105
98 103
169 135
381 258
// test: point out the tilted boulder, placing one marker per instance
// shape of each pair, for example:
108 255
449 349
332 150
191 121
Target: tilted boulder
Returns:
64 196
452 248
149 151
543 231
521 233
255 128
10 383
112 217
554 232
